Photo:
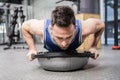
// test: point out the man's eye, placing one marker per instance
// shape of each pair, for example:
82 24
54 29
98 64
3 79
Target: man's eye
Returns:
69 37
59 38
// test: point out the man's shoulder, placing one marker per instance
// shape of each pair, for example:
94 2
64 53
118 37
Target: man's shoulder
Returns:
34 21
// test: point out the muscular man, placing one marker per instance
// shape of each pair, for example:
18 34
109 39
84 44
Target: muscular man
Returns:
62 31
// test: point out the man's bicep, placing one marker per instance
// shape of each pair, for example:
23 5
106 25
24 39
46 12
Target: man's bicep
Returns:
37 27
88 28
34 26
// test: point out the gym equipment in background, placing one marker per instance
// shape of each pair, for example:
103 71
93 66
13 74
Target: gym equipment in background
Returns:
14 29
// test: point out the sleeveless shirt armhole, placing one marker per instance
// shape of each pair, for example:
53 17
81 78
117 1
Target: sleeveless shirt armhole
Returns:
45 24
80 37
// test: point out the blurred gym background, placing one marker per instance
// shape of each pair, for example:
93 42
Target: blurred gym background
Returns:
106 10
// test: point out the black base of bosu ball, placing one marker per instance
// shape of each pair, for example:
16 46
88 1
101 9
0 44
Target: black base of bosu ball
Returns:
63 61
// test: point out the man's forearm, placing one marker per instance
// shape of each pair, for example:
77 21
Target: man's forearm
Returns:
30 42
29 39
96 37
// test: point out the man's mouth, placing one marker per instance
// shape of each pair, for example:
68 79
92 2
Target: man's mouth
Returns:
64 48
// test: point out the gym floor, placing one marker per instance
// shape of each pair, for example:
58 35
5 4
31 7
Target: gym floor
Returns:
15 66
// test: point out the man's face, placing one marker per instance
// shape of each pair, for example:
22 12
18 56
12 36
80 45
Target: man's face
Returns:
63 36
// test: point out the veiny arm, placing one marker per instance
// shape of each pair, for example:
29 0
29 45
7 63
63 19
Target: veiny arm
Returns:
94 27
29 29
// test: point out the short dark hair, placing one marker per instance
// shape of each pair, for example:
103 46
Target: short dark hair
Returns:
62 16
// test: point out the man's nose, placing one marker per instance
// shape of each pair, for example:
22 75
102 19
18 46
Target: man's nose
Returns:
64 43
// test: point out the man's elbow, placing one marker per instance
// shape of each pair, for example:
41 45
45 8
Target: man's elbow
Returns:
25 26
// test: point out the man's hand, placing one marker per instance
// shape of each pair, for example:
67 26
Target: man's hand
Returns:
29 55
94 50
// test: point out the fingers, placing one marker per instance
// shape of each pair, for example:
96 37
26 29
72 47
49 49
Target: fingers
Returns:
96 55
94 51
30 58
30 55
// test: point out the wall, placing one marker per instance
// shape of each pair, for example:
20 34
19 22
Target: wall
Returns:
42 8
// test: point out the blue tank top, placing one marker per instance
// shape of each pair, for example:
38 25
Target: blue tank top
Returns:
51 46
